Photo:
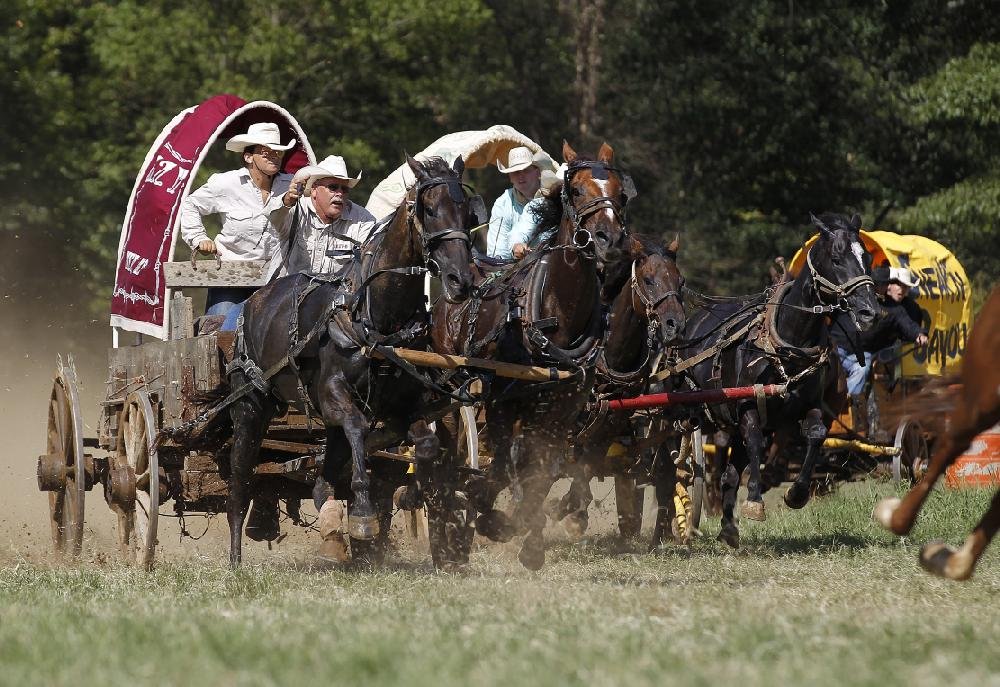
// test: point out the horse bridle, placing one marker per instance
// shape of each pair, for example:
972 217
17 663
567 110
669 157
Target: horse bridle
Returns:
840 292
577 215
652 318
415 214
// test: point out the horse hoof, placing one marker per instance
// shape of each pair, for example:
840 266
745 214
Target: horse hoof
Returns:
406 497
882 513
754 510
942 560
362 527
796 498
531 556
729 535
333 549
495 526
576 525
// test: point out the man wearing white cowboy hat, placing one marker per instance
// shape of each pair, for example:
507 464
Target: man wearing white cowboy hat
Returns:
899 317
242 198
314 214
524 169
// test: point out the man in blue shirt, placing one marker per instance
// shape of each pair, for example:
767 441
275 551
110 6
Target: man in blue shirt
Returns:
525 174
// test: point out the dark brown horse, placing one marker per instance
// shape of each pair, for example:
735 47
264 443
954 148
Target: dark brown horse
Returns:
545 310
647 315
782 340
977 408
379 301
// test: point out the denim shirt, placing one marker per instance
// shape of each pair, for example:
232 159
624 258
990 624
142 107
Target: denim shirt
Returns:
506 211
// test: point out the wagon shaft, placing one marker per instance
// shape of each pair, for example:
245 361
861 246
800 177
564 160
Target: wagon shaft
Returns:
694 397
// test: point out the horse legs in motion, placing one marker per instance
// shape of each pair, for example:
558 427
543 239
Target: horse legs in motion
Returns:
977 408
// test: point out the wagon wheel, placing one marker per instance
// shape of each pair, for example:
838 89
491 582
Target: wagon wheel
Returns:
62 471
911 459
135 481
629 501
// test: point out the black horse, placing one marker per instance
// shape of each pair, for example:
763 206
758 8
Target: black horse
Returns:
782 340
379 301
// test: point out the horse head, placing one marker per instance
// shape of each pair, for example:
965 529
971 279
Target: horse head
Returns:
656 290
840 267
594 196
441 214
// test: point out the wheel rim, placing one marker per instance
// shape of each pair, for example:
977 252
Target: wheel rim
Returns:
65 438
137 454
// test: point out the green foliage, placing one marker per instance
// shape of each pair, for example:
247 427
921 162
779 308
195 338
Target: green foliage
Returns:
736 119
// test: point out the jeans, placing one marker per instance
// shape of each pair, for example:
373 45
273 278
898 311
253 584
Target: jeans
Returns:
222 299
856 374
232 317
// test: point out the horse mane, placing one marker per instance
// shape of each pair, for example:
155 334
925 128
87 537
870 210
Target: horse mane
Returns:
438 167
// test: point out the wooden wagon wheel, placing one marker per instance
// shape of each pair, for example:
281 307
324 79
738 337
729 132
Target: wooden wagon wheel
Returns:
913 454
134 481
62 471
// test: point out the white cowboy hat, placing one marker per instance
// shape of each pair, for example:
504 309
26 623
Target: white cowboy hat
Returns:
903 276
332 166
517 159
260 134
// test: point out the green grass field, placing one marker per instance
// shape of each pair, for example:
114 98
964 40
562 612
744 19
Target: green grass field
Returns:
815 597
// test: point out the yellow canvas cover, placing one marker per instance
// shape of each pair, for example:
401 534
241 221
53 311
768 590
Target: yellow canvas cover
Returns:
944 295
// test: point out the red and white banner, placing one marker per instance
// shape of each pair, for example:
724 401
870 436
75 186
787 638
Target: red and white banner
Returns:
149 231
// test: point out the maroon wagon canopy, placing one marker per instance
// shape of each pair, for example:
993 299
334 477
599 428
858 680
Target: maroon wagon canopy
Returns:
150 228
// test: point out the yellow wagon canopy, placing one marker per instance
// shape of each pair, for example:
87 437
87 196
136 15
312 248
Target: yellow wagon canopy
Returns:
944 295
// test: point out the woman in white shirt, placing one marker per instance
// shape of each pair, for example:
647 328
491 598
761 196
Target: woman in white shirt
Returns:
242 198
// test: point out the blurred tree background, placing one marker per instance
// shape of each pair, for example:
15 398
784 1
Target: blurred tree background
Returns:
736 119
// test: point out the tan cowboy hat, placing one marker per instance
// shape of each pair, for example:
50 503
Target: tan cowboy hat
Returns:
517 159
260 134
903 276
332 166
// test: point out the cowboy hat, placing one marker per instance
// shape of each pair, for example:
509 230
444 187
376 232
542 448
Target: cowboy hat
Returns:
903 276
517 159
260 134
332 166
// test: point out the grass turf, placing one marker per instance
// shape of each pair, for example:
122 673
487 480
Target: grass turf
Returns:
819 596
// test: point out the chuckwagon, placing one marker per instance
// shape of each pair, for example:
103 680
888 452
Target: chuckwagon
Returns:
158 438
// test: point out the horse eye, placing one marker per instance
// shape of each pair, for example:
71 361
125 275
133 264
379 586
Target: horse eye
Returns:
648 281
428 210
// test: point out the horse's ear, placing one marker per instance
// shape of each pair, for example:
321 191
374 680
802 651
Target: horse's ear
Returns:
675 244
823 229
606 154
856 222
459 165
568 153
417 167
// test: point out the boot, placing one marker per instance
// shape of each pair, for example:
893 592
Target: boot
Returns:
859 414
333 545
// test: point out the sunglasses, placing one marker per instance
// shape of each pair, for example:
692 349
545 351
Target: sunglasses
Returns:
344 188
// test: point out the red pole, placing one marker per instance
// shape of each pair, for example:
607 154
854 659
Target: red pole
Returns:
691 397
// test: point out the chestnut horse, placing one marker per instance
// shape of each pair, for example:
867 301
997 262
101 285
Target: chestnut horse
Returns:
977 408
545 310
379 301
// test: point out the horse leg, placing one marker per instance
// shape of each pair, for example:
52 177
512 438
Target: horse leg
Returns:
944 561
665 486
729 484
249 419
492 523
448 519
753 442
899 516
536 479
571 509
814 430
337 408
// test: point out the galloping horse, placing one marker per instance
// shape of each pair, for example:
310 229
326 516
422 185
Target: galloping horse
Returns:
977 408
545 310
379 301
782 341
647 315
